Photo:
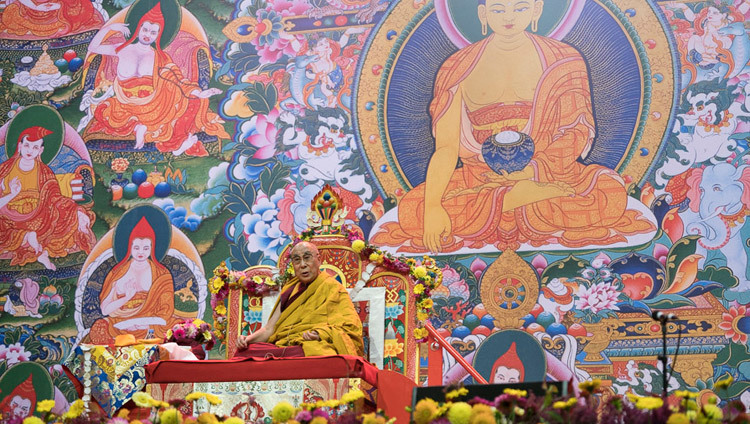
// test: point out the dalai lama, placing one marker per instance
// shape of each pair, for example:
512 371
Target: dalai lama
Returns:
314 315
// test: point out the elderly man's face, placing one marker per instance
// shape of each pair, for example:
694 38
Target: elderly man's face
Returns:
306 262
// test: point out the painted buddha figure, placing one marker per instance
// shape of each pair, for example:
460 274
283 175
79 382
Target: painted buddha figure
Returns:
137 294
513 81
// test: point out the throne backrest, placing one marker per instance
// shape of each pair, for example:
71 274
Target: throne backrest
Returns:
381 296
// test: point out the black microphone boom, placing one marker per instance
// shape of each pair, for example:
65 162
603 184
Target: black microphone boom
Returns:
661 316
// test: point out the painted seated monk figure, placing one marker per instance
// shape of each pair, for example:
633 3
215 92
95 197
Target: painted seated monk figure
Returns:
43 19
36 221
153 99
313 316
513 81
137 294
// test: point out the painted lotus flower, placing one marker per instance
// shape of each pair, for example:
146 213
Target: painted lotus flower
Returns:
260 131
458 287
14 354
597 298
733 322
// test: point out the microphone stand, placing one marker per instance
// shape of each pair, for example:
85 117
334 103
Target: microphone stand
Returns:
663 357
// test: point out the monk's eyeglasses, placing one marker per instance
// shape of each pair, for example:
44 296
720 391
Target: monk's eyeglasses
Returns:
307 257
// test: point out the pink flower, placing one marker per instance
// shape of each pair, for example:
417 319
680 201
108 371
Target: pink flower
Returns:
458 287
600 260
539 263
660 253
597 298
14 354
179 333
290 7
477 267
262 134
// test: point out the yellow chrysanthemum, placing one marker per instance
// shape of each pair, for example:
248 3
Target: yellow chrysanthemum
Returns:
76 409
678 418
427 303
425 410
649 403
419 288
123 413
711 412
421 316
194 396
480 408
375 257
420 333
352 395
318 420
142 399
45 406
686 394
234 420
420 272
515 392
207 418
257 279
462 391
358 245
221 310
282 412
213 399
32 420
171 416
590 386
724 383
459 413
483 418
519 411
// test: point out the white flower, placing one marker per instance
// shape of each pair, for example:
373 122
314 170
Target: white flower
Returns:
598 297
14 354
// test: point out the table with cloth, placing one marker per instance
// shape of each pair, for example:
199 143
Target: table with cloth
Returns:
111 374
250 387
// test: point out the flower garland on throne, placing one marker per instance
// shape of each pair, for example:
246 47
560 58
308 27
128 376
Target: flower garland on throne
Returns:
145 79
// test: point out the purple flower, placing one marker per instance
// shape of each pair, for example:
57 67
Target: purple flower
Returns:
304 415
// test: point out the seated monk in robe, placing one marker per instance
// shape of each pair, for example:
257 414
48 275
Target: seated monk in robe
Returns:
519 82
48 18
36 221
152 98
314 314
138 294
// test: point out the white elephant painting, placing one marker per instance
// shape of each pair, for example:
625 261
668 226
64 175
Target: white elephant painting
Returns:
719 200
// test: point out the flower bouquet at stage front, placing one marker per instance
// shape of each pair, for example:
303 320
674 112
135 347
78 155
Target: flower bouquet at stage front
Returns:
194 333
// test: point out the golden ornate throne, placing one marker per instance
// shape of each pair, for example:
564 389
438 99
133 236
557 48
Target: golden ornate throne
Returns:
381 295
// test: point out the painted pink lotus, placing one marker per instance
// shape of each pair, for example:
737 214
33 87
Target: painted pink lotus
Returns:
477 267
14 354
597 298
458 287
263 135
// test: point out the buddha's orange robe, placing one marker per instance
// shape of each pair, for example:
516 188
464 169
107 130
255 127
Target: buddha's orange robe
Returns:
561 124
73 16
157 302
163 103
41 209
324 306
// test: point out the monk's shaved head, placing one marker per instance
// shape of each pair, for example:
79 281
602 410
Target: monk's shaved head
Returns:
305 259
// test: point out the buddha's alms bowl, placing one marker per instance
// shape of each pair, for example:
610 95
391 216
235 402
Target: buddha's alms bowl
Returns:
508 151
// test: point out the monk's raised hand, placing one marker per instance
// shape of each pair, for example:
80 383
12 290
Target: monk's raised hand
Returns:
121 28
310 335
15 186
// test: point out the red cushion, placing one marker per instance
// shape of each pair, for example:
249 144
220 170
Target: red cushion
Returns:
259 369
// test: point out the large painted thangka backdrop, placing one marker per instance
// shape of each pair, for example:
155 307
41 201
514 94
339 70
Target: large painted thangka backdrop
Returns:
573 165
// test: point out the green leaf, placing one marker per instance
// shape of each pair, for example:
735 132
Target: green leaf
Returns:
273 178
722 275
735 389
261 98
731 355
564 268
680 250
668 301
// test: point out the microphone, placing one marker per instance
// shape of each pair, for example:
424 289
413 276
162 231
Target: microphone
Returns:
663 317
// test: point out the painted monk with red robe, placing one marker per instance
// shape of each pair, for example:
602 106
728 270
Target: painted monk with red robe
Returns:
36 221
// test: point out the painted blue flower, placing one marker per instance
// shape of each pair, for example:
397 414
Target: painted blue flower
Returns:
392 311
178 215
253 316
270 23
262 228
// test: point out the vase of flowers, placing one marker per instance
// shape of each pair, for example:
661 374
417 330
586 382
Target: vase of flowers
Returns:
193 333
119 166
